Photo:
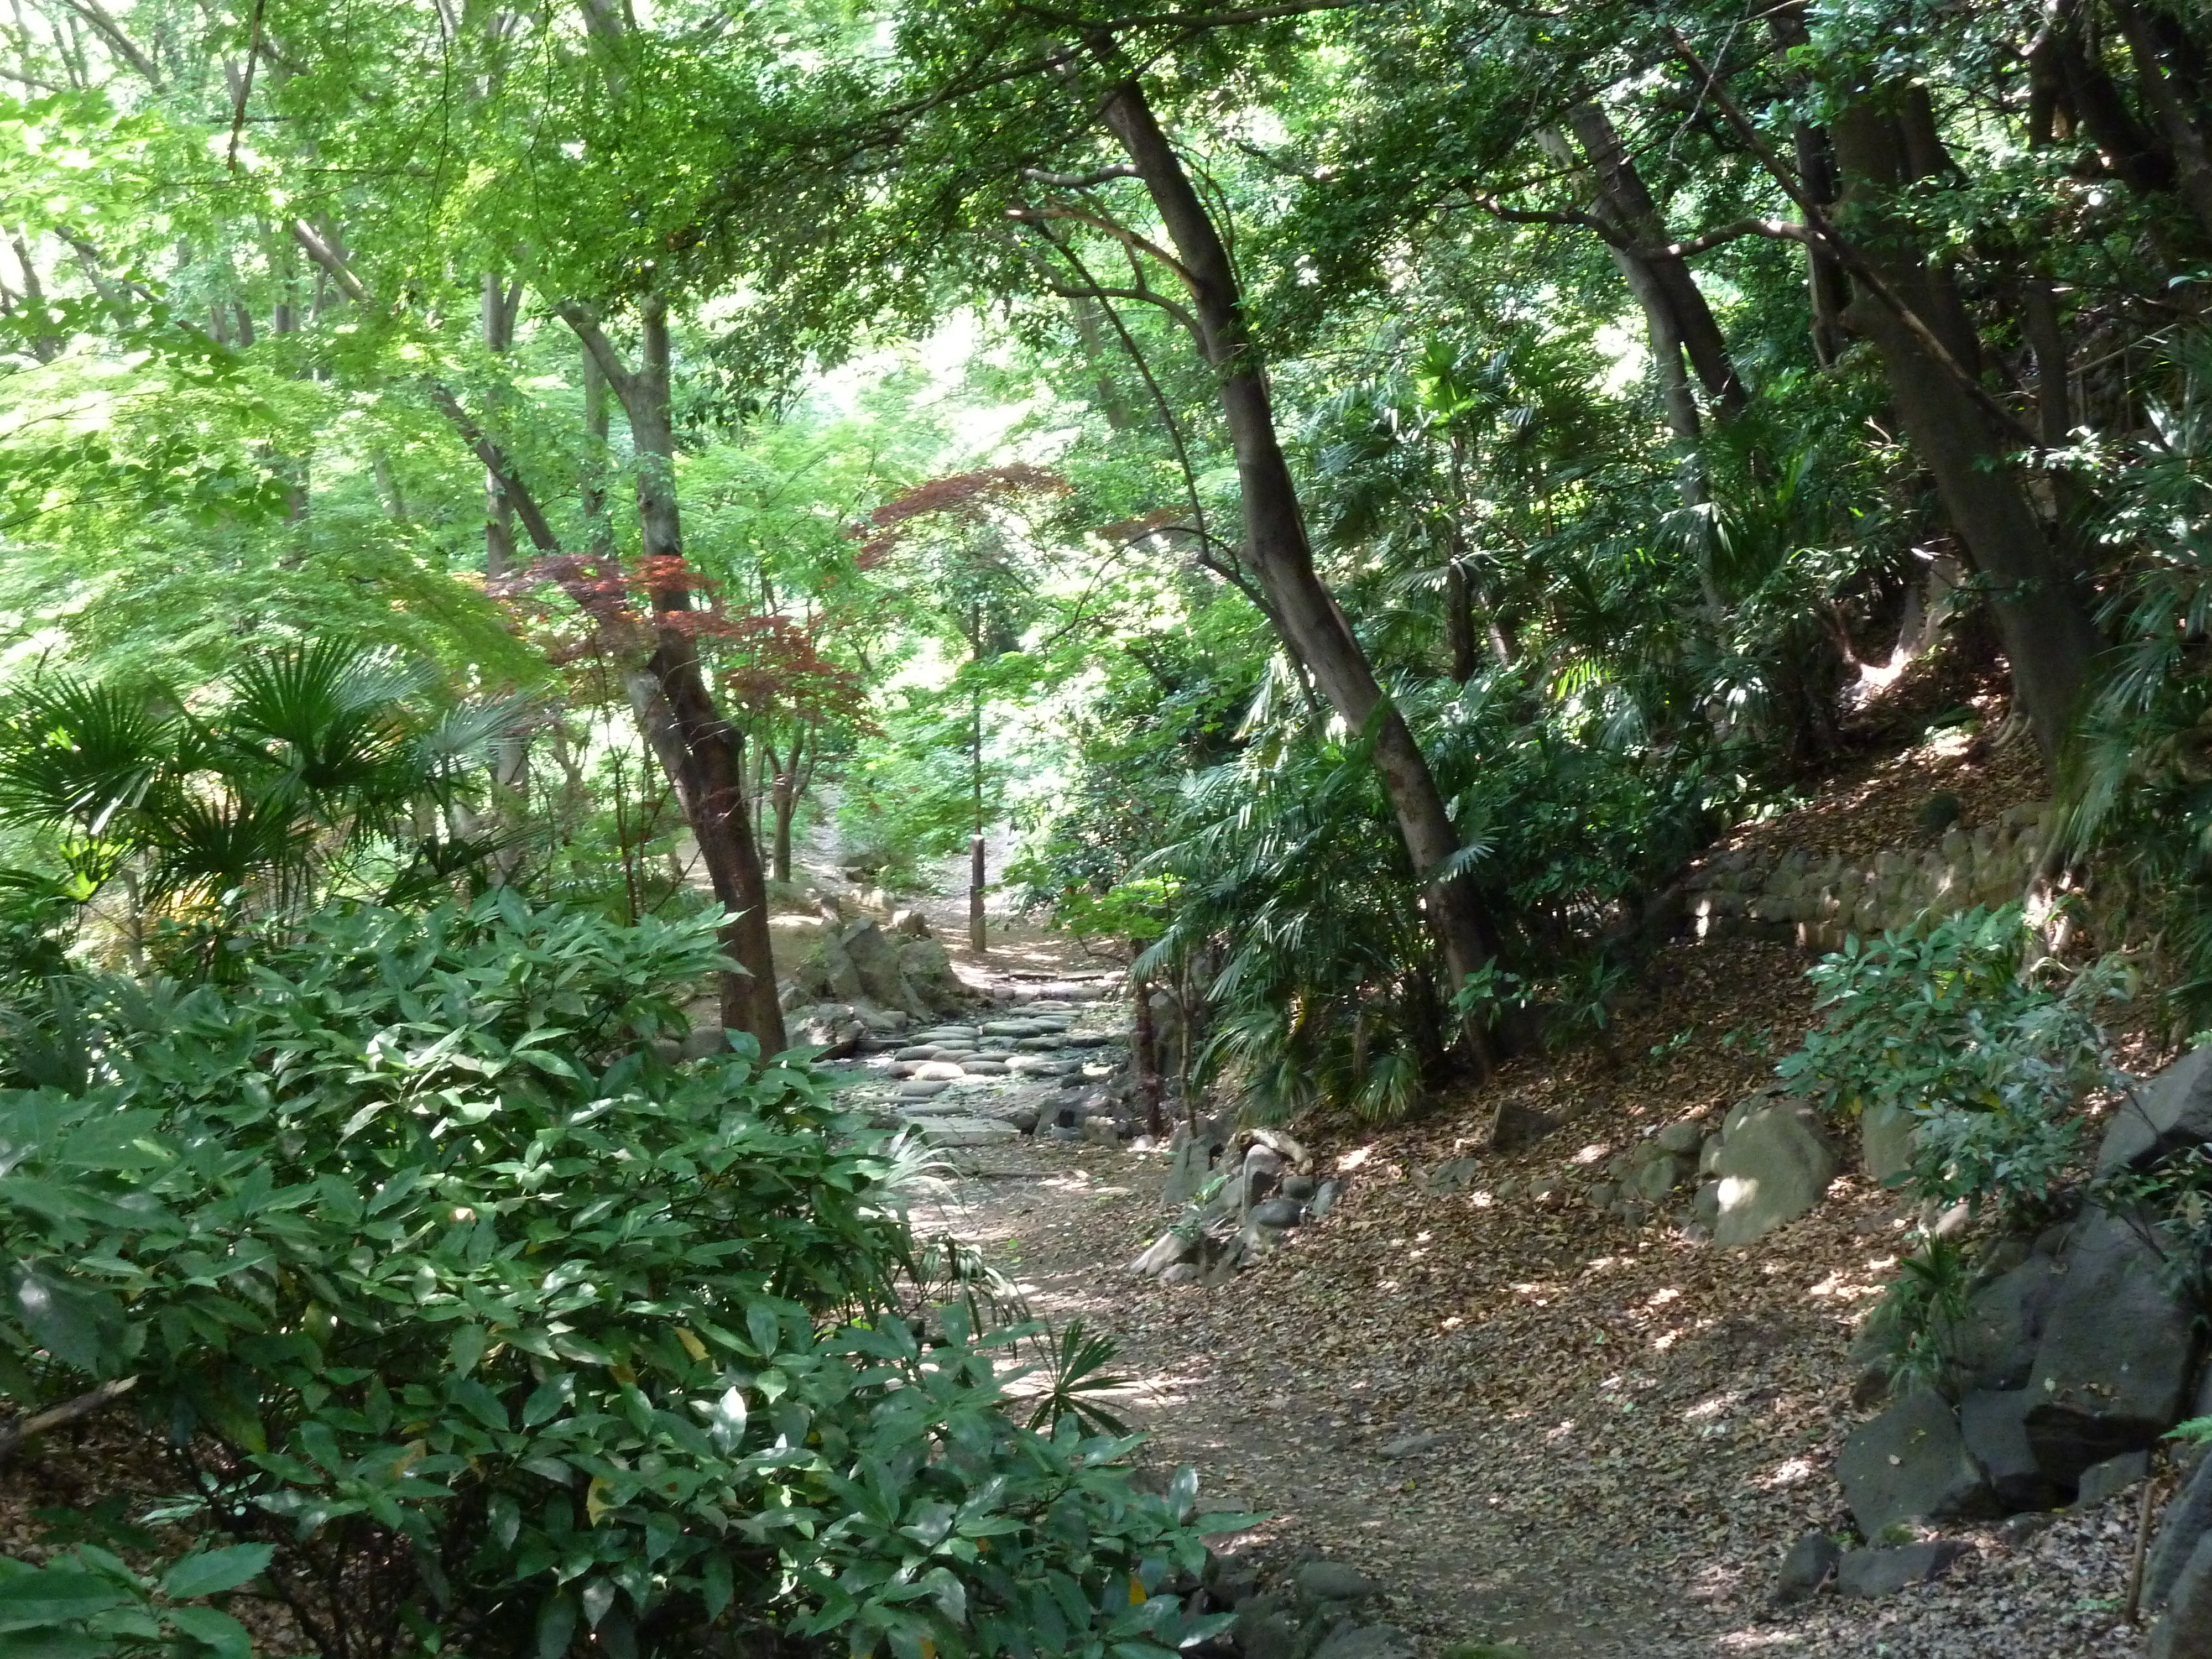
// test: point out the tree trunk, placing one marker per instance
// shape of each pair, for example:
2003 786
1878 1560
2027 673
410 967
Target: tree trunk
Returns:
783 802
2041 617
705 758
1626 205
1312 626
2169 106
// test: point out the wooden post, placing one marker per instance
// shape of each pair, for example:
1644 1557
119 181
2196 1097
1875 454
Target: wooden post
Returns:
978 940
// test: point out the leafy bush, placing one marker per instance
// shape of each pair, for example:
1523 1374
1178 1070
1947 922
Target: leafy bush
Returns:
499 1329
1992 1057
1915 1328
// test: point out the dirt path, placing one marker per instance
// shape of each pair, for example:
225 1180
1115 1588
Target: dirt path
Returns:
1529 1421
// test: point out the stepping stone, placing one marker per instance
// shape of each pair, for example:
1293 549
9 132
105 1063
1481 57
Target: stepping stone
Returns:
1040 1045
1087 1040
935 1070
926 1051
1037 1065
966 1131
1012 1028
982 1066
922 1090
948 1034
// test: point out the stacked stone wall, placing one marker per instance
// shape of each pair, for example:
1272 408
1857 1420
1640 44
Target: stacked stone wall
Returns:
1815 900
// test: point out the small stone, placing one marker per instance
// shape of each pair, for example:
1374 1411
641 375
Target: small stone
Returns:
2110 1478
2019 1529
1183 1273
1300 1188
1600 1196
1333 1581
922 1089
1806 1566
1324 1199
1412 1445
1279 1212
982 1066
1681 1137
1882 1573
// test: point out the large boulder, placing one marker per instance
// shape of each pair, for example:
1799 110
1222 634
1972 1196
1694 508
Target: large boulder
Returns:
2171 1109
2187 1520
1886 1132
1773 1166
1910 1464
926 968
2113 1367
1997 1339
2186 1629
1994 1423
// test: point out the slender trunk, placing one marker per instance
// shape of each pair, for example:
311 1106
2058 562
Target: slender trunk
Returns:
702 752
1828 289
1626 205
1313 628
2041 617
1459 621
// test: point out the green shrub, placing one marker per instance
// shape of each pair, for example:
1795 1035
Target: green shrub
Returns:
1991 1057
500 1330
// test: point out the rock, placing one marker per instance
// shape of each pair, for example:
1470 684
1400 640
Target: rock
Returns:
927 968
1184 1273
1300 1188
917 1051
670 1050
1188 1170
1681 1138
707 1041
1660 1176
1706 1205
1454 1175
1547 1189
1883 1572
1887 1133
1365 1641
1262 1170
2110 1478
2188 1519
983 1066
1333 1581
2173 1109
1773 1167
2113 1367
1910 1463
922 1089
1997 1339
1025 1120
1806 1567
1324 1199
1412 1445
2185 1632
1162 1254
967 1131
1102 1130
1262 1631
1011 1028
1994 1423
1279 1212
875 959
1600 1195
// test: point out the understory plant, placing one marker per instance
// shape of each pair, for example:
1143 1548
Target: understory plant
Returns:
1990 1045
493 1331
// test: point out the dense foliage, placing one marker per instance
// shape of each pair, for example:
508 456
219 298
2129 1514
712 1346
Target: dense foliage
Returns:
478 1325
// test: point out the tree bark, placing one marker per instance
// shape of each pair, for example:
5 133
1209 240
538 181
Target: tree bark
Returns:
1312 625
2041 617
2184 140
1627 208
705 762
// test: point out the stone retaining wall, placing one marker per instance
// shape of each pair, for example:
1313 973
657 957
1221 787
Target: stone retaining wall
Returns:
1815 901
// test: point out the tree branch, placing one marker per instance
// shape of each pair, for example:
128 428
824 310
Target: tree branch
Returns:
12 1434
1079 180
1822 229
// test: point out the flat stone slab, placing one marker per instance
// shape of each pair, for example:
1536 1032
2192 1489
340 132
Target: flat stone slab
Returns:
1011 1028
983 1066
922 1089
965 1131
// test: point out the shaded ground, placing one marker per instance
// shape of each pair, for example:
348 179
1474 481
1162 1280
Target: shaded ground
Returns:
1530 1420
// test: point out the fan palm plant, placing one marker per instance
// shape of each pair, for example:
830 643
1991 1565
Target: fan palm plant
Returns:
297 775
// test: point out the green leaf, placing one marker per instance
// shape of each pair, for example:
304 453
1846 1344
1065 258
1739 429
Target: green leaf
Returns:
217 1631
211 1572
54 1595
556 1622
